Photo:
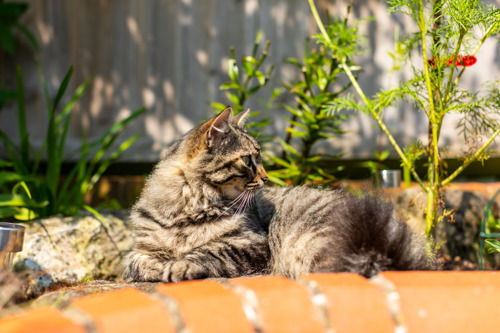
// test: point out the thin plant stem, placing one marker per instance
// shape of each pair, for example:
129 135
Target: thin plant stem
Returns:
471 159
365 100
453 66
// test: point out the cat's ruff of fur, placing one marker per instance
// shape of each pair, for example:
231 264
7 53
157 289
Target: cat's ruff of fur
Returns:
203 213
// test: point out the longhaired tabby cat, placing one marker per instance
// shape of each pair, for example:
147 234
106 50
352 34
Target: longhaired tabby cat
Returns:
204 213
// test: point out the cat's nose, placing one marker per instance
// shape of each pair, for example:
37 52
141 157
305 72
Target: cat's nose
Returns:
265 179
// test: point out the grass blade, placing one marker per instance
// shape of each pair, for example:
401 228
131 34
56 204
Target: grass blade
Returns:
54 154
114 156
80 90
109 137
62 88
21 121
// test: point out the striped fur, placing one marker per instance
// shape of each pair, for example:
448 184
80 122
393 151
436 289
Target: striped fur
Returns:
202 214
334 231
189 221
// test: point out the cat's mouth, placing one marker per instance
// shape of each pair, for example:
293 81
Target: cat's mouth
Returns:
254 186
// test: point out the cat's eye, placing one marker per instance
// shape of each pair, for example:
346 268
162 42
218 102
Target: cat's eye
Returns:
247 160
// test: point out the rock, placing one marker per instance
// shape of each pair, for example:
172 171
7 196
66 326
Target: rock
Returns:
457 234
12 290
71 249
63 296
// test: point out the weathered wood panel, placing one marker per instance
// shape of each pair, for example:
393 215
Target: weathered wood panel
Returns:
170 56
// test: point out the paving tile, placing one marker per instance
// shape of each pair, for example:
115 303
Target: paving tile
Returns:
354 304
449 301
43 320
207 306
427 302
283 305
125 310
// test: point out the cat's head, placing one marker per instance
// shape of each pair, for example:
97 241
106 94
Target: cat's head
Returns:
221 153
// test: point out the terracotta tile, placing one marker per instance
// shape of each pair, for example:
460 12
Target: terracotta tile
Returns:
354 304
284 305
449 301
42 320
125 310
207 306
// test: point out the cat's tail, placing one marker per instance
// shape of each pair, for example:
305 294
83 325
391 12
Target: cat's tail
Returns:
370 239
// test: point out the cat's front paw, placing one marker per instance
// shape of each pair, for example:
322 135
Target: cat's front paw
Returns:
182 270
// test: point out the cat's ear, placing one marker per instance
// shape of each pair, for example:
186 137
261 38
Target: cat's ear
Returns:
218 126
239 120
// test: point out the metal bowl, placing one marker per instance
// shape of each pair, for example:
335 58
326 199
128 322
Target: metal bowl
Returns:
390 178
11 241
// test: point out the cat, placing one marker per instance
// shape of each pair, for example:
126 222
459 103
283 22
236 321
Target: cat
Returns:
204 213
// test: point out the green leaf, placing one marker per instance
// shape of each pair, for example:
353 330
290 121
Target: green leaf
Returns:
248 66
99 217
113 157
62 88
218 106
295 62
11 177
9 211
25 214
28 35
6 96
7 40
80 90
235 100
295 123
273 178
260 77
383 155
5 164
495 245
288 147
280 161
19 213
250 60
231 85
313 159
16 200
232 70
296 133
21 122
11 11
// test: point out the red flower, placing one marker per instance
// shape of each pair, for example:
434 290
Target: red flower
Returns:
465 61
460 61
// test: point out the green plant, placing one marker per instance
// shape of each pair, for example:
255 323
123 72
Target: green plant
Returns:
46 191
10 13
494 245
309 122
17 202
449 35
489 230
245 79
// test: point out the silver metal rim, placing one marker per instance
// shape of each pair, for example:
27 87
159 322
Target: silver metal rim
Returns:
11 237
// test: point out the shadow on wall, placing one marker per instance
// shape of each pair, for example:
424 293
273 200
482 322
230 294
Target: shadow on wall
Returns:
171 56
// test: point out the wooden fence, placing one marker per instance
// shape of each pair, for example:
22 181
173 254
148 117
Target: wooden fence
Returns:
171 56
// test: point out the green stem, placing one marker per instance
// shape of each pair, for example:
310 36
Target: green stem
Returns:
366 101
453 66
423 30
470 160
431 209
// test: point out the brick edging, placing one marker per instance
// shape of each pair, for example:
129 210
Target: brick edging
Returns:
392 301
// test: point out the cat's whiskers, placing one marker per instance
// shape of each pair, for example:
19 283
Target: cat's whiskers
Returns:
232 203
252 199
244 202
